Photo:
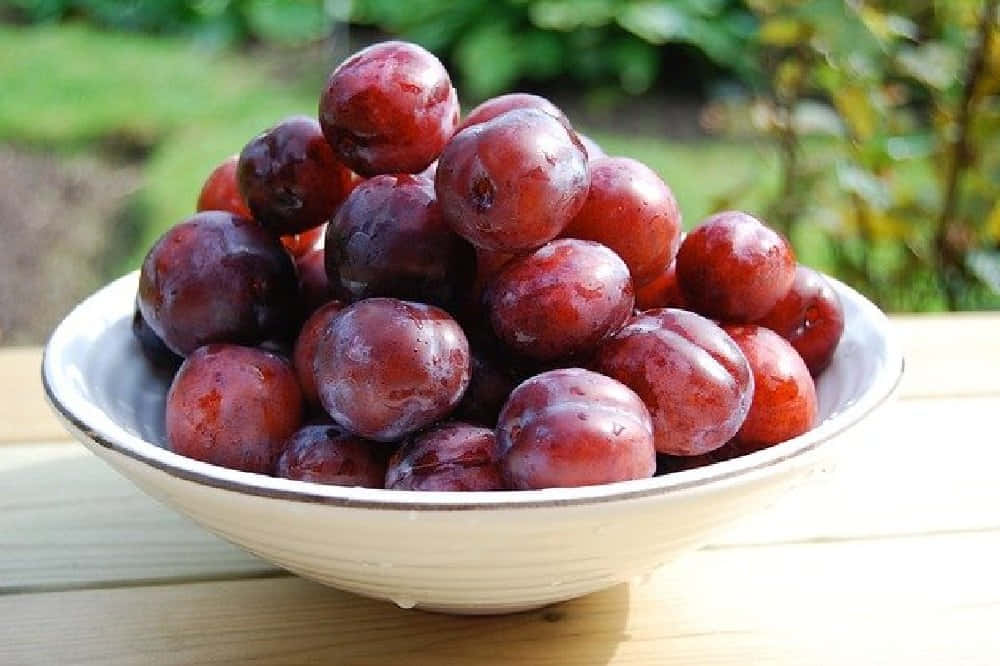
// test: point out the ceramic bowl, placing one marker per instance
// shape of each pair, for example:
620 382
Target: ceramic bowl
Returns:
487 552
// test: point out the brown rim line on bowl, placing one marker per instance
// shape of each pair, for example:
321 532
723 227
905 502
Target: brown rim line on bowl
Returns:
88 422
469 553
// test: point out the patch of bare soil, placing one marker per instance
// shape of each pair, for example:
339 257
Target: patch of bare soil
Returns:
61 223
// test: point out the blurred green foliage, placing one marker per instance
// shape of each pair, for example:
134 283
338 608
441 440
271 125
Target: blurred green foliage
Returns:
71 88
909 202
192 107
493 44
879 119
221 22
903 204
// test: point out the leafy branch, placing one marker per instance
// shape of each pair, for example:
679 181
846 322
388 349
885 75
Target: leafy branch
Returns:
950 259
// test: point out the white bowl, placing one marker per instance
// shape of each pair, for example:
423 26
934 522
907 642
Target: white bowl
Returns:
486 552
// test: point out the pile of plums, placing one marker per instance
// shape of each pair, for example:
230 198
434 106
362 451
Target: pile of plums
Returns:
392 297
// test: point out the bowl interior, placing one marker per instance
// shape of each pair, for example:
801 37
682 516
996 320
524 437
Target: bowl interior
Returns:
99 382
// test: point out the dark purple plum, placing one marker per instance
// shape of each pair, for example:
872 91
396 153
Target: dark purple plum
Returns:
389 239
386 368
217 277
513 183
449 457
389 108
290 178
330 455
692 377
561 300
573 427
734 268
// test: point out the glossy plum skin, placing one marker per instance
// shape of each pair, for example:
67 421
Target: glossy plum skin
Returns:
513 183
784 398
452 456
734 268
632 211
389 108
386 368
389 239
328 454
157 353
561 300
693 378
304 352
233 406
216 277
661 292
222 192
573 427
290 178
496 106
302 243
810 317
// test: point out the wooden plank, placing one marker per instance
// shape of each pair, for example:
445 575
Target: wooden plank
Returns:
950 355
24 414
933 601
925 467
67 519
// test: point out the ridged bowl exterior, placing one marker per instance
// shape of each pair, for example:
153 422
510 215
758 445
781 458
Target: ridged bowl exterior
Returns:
453 552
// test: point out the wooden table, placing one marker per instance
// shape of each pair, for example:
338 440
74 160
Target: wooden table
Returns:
892 559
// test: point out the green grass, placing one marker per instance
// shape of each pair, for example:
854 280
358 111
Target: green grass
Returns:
704 175
68 88
70 84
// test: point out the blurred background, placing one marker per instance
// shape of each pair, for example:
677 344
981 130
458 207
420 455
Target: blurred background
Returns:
868 131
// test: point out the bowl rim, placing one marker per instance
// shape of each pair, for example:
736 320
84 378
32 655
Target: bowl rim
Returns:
93 426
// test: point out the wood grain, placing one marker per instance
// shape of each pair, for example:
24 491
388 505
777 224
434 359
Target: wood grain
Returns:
68 520
888 558
950 355
24 414
893 602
